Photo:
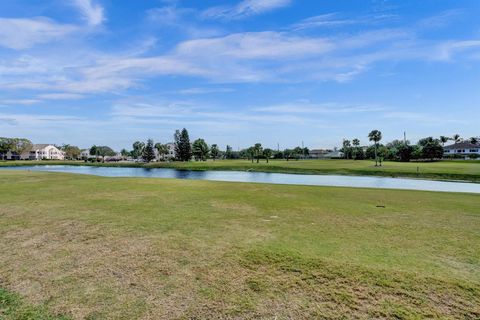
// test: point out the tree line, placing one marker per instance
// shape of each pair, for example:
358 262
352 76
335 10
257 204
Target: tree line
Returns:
428 148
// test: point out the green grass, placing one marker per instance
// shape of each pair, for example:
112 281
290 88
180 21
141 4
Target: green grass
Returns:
125 248
12 307
440 170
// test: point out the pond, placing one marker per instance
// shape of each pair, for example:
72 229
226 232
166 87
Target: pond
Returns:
263 177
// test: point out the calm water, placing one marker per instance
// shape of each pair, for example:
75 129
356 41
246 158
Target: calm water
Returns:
261 177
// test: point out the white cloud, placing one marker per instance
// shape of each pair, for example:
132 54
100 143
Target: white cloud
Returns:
25 102
447 50
324 20
61 96
312 108
255 45
244 9
91 12
25 33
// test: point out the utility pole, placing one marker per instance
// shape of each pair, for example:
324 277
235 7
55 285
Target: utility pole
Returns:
404 137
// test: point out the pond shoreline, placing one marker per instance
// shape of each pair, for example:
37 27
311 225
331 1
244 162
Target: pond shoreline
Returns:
349 181
262 167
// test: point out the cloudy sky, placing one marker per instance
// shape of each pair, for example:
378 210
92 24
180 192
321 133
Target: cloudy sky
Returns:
238 72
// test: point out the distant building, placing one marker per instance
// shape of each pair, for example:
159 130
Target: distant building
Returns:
318 153
171 151
39 152
325 154
85 154
464 149
335 154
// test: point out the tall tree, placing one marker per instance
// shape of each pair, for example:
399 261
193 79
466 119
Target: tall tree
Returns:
71 152
214 151
200 150
229 152
346 148
6 145
356 145
257 149
474 140
137 151
431 148
376 137
148 152
306 152
105 151
251 153
183 149
93 151
288 153
20 145
456 138
162 150
267 153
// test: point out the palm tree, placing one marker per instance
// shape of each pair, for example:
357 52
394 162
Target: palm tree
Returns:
356 144
375 136
162 150
444 140
456 138
346 148
267 153
251 153
257 149
473 140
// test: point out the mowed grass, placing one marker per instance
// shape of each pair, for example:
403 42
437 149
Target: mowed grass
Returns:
88 247
444 170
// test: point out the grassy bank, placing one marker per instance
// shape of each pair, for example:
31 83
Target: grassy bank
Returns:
103 248
441 170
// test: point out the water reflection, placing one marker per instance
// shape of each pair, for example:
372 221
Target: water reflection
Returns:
262 177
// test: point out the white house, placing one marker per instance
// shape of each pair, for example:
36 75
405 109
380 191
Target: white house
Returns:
171 150
464 149
85 154
39 152
170 153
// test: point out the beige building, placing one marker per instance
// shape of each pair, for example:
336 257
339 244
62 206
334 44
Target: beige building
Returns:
39 152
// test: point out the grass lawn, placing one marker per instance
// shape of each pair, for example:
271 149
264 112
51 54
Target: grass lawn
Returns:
86 247
444 170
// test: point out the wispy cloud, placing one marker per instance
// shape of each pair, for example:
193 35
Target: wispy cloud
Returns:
325 108
14 102
60 96
336 20
244 9
25 33
441 19
92 13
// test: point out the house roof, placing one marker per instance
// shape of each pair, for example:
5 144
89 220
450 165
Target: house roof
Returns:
40 146
462 145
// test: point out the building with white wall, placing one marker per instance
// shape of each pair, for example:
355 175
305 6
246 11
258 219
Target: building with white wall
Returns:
463 149
39 152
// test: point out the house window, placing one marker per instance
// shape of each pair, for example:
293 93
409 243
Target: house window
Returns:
473 150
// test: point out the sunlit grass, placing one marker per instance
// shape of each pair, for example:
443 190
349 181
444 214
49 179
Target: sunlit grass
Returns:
96 247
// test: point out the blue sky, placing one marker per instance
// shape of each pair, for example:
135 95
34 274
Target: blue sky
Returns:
238 72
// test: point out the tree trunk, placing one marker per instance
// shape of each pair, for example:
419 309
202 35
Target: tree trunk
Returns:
376 158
